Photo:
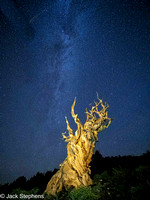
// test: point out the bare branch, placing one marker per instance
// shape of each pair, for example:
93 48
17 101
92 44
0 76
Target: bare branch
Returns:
75 116
70 131
87 115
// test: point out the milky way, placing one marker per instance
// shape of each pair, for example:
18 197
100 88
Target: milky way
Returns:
52 51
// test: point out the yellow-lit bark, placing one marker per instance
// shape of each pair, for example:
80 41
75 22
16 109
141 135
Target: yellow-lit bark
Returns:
75 170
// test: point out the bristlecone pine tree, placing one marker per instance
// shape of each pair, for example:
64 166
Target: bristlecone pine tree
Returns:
75 170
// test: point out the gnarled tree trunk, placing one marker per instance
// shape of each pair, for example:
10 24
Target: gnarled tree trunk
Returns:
75 170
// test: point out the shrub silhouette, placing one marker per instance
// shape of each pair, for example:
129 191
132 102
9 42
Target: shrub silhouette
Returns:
119 178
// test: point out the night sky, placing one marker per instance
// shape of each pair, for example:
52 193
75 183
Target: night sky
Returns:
54 50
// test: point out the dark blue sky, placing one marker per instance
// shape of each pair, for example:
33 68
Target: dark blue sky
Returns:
54 50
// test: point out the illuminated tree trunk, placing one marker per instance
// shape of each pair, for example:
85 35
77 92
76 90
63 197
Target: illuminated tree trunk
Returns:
75 170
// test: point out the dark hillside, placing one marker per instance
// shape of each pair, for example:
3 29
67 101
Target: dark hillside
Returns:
120 177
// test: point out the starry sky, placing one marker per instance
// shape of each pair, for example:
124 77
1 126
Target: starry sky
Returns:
54 50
